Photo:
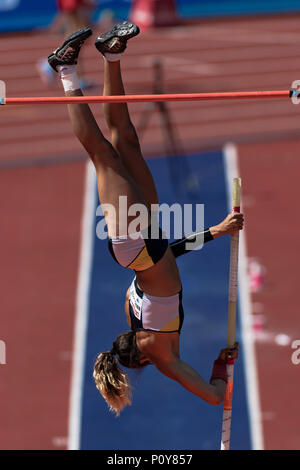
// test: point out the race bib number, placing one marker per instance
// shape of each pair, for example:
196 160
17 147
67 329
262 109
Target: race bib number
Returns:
135 302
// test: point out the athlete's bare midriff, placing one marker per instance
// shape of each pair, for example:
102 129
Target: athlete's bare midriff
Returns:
162 279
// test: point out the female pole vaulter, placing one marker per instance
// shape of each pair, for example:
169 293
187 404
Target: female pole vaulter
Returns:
153 302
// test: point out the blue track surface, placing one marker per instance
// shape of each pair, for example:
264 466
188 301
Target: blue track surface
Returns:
163 414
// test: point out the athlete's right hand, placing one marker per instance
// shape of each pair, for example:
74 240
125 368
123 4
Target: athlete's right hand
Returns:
229 353
232 223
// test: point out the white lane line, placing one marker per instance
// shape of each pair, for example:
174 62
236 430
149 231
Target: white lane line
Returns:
250 367
82 308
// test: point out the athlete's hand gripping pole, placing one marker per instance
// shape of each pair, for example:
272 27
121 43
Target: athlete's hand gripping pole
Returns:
232 299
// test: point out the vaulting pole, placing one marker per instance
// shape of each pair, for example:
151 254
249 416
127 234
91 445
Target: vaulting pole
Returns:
231 328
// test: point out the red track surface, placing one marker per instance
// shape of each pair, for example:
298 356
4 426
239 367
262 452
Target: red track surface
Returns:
270 191
39 256
41 206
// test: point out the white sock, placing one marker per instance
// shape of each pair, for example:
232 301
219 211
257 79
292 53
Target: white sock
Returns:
69 77
112 57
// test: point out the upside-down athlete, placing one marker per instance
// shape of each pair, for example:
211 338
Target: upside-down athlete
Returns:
153 303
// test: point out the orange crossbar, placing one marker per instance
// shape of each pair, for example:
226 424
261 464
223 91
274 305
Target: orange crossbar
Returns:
238 95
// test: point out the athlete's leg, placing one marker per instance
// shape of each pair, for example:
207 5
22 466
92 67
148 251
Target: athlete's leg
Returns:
123 134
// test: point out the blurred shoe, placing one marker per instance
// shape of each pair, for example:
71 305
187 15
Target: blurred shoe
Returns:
46 73
114 41
67 54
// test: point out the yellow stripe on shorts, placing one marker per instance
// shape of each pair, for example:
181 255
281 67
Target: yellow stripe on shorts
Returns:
142 261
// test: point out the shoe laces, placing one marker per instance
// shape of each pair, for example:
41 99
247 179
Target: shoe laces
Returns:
70 52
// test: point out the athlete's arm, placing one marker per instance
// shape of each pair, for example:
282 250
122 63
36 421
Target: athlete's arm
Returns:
231 224
190 379
180 247
183 373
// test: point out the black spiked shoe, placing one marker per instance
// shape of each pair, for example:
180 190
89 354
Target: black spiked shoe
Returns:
114 41
67 54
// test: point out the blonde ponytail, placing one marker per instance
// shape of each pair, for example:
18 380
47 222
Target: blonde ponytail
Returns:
112 382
